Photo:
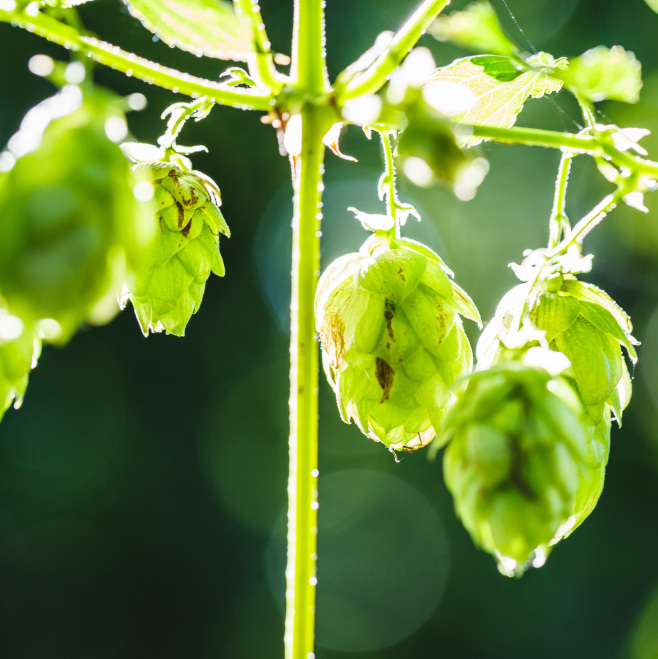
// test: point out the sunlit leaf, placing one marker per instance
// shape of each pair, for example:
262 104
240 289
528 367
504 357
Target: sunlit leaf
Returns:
605 73
203 27
476 28
62 4
498 89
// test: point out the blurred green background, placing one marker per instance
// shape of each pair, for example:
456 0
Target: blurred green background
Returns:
143 483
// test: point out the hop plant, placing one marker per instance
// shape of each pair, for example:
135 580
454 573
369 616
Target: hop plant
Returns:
582 322
520 461
19 349
169 287
71 225
392 338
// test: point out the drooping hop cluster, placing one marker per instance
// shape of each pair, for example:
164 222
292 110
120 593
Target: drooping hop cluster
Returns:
530 436
393 342
169 287
520 463
71 225
19 349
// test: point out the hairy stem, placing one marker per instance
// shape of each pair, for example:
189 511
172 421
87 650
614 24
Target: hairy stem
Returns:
303 444
374 77
139 67
261 65
309 79
308 69
557 140
559 222
589 221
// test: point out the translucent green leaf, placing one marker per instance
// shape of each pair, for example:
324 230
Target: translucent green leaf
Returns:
498 89
605 74
476 28
203 27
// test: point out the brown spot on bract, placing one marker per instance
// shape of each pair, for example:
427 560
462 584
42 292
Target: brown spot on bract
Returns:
181 215
401 273
332 338
385 375
389 313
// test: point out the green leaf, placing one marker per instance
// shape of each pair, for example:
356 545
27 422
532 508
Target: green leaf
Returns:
203 27
62 4
604 74
476 28
498 89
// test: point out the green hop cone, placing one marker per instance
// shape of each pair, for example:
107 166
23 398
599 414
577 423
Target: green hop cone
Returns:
169 287
71 225
392 338
19 350
517 449
582 322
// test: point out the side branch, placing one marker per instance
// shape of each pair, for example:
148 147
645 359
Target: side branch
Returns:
373 79
139 67
576 143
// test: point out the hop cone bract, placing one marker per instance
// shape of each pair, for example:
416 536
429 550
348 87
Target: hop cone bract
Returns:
169 287
393 341
71 225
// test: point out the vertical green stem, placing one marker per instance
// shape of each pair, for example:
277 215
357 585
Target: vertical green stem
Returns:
309 79
308 70
302 480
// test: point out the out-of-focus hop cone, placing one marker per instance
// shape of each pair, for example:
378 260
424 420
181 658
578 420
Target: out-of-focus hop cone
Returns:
169 287
393 342
71 225
20 347
520 461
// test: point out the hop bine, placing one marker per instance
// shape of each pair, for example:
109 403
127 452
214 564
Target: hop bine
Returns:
169 287
393 343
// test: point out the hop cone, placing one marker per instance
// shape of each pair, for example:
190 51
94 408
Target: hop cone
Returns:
169 288
19 349
71 225
582 322
393 341
520 462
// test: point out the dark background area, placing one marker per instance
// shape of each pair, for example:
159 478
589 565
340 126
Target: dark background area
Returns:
143 483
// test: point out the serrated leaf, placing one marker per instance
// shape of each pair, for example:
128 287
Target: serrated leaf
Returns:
476 28
605 74
499 89
204 27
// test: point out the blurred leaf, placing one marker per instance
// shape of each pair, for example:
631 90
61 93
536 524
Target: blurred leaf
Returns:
498 89
653 4
476 28
203 27
604 73
62 4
